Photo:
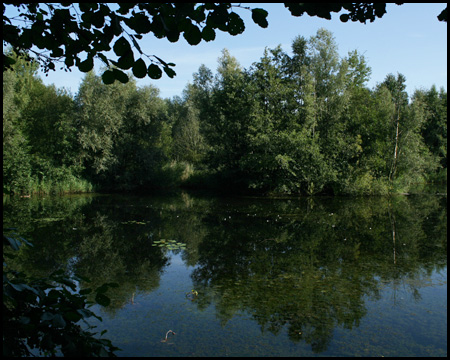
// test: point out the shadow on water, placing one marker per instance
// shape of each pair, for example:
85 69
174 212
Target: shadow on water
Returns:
273 276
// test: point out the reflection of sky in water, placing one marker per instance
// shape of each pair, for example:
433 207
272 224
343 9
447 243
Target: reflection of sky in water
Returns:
325 268
397 324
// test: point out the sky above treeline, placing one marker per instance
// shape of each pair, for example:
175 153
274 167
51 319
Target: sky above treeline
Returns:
408 39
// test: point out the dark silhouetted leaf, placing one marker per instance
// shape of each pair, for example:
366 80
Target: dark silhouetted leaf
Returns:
344 17
58 321
86 65
47 316
121 46
170 72
126 61
443 15
193 35
236 24
108 77
259 16
154 71
208 33
121 76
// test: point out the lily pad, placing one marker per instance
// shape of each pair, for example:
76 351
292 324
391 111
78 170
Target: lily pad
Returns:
169 244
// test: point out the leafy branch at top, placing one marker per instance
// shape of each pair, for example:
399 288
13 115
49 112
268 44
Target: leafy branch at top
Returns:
77 34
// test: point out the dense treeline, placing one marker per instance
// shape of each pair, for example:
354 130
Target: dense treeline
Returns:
304 123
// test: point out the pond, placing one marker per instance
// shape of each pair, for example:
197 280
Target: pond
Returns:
322 276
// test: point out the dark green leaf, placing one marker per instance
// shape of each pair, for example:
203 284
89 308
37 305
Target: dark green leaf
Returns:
98 19
259 17
208 33
69 60
139 23
170 72
47 316
126 61
24 320
172 36
103 58
120 75
296 9
86 65
380 9
154 71
22 287
108 77
58 321
121 46
344 17
102 289
193 35
235 24
57 52
443 15
72 316
85 291
85 313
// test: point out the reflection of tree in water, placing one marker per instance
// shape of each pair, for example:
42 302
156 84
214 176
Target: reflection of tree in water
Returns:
302 265
313 271
122 253
107 238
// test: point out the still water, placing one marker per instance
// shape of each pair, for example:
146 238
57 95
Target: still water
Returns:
251 276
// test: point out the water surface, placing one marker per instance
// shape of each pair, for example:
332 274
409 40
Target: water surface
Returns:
274 277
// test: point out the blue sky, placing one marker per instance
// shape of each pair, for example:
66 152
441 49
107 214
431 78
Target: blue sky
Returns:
408 39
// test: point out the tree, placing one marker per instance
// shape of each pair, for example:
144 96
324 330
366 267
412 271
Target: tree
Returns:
16 149
40 145
227 125
47 121
100 118
434 130
145 140
397 87
122 131
63 32
188 142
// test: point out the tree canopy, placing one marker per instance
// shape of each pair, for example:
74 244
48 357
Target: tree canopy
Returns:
76 34
304 123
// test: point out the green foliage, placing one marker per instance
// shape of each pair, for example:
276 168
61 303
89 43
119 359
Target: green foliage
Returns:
307 124
434 128
41 151
296 124
43 314
188 142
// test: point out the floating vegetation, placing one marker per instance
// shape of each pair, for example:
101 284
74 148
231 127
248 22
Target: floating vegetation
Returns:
131 222
192 295
49 219
169 244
